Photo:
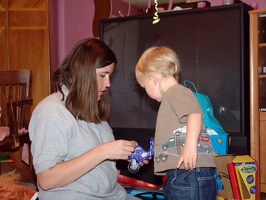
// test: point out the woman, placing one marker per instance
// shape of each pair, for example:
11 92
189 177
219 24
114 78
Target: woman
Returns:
73 146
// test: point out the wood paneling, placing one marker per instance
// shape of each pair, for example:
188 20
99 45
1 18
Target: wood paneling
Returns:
3 35
24 38
102 11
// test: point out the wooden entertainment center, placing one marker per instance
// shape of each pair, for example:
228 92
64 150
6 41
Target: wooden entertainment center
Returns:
258 91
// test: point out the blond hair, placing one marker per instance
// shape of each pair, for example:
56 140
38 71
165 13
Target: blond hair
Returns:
159 59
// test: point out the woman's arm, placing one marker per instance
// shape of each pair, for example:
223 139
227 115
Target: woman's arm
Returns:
66 172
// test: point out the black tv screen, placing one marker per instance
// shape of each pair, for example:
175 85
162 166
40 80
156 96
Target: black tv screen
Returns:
212 44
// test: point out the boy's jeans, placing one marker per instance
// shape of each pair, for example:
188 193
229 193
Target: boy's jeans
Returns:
196 184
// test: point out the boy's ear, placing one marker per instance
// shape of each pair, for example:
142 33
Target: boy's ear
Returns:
154 79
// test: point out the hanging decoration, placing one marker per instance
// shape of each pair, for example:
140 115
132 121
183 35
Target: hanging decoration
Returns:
156 18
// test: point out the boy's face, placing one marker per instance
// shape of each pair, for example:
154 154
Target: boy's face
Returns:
150 85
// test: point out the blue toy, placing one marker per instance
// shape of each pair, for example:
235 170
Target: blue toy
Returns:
139 155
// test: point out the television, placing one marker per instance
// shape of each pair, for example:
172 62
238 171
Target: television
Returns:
213 46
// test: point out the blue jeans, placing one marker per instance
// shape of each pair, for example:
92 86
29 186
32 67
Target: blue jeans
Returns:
196 184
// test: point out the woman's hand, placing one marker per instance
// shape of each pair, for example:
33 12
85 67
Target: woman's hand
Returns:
144 162
119 149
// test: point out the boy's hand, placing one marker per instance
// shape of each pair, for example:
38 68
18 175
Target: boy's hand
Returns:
188 158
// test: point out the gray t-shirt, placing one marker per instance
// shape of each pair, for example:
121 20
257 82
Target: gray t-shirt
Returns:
57 137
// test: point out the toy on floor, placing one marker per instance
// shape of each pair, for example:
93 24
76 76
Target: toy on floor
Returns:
139 155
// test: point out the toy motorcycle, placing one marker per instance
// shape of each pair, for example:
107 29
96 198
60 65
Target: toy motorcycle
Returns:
139 155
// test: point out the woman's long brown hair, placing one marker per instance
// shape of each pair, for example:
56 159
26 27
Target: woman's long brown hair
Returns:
78 74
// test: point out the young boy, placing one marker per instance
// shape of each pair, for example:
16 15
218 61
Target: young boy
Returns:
182 152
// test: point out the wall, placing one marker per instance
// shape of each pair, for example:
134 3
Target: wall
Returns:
70 21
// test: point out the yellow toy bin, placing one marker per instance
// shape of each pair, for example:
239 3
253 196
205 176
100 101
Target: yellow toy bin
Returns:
243 172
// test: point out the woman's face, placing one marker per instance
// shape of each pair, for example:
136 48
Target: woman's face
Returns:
103 78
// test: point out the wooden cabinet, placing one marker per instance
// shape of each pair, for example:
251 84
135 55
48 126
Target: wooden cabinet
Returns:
24 41
257 91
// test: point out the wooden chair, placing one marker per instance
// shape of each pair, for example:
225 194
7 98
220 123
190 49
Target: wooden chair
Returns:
15 101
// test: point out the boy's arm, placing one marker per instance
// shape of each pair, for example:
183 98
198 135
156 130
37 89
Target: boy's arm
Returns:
189 153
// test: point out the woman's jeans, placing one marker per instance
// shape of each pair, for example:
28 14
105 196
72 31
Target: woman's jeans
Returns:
196 184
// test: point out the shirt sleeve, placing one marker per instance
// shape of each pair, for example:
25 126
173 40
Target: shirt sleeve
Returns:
184 103
50 129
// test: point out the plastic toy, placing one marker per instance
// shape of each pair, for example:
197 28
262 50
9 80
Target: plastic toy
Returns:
139 155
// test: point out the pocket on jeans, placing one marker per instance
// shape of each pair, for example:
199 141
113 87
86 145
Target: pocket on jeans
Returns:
207 188
182 186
